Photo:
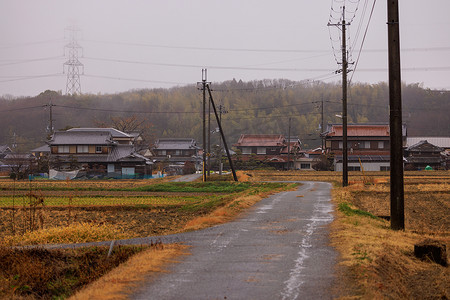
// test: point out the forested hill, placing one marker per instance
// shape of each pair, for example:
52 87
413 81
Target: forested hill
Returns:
262 107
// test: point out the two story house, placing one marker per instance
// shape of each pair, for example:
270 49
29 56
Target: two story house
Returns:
104 152
424 155
176 152
368 146
269 148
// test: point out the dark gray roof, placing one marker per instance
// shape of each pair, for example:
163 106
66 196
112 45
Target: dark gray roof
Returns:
114 132
44 148
125 153
365 158
4 148
424 146
175 144
81 138
424 160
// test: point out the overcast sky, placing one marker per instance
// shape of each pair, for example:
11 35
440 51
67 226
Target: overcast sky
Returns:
162 43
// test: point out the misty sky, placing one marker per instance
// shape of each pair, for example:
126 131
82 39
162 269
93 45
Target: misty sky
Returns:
162 43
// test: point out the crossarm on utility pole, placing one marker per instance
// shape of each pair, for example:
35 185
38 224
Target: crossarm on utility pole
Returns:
221 133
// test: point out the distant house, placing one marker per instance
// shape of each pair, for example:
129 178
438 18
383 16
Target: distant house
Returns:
424 154
102 152
175 152
17 163
439 141
4 150
269 148
307 158
368 146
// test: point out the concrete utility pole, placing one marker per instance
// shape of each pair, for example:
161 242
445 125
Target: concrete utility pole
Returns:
204 75
344 98
50 127
344 104
222 110
395 118
222 134
289 146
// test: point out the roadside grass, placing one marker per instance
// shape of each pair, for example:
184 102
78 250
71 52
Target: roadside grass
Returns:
101 200
74 233
119 283
377 262
38 273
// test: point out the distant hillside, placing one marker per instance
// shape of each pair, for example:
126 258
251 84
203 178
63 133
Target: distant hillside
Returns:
252 107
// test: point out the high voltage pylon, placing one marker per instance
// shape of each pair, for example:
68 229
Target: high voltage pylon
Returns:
73 65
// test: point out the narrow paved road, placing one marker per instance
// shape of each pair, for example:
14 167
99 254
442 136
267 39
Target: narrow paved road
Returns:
277 250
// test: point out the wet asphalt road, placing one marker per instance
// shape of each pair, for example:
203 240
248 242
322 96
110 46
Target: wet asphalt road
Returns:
277 250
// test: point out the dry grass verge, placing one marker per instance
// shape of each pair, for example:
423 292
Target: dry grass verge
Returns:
377 262
38 273
121 281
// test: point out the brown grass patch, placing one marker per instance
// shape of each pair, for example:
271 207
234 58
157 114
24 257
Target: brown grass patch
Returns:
38 273
377 262
118 283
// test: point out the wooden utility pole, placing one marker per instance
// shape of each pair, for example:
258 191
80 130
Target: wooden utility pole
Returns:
344 103
395 118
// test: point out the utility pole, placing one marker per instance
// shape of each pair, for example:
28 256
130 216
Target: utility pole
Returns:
289 146
208 155
222 134
344 98
204 75
344 104
73 85
395 118
321 126
50 127
221 111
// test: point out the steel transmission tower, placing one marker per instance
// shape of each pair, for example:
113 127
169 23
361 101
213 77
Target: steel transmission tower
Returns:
73 65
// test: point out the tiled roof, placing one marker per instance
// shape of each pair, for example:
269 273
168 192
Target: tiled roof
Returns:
424 146
114 132
175 144
44 148
261 140
443 142
360 130
364 158
81 138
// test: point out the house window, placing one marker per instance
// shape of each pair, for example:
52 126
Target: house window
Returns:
63 149
261 150
351 168
381 145
82 149
340 145
365 145
246 150
385 168
177 152
98 149
162 152
305 166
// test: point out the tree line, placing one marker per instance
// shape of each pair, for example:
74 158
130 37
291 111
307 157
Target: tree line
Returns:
255 107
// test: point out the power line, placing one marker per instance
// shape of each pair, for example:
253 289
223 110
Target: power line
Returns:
209 67
16 62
